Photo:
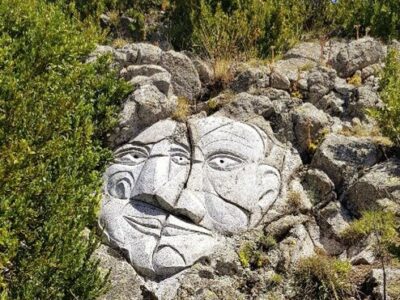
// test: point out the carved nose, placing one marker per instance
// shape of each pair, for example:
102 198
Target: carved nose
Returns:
191 205
154 175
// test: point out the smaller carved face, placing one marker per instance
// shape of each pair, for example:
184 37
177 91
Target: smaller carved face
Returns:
228 176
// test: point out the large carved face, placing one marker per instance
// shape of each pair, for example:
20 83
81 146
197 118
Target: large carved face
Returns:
167 195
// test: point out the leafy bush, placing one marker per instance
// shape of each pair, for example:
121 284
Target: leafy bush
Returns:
222 34
322 277
381 16
54 112
236 28
383 227
388 117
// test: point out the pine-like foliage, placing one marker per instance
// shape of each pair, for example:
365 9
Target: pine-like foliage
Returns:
388 117
54 111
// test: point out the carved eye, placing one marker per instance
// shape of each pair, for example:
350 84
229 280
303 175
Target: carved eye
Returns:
131 157
120 185
224 162
180 158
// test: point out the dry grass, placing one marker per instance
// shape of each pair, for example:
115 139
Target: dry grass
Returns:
182 110
355 80
223 71
119 43
373 133
294 200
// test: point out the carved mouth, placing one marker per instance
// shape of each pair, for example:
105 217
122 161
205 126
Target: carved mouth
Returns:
163 222
148 226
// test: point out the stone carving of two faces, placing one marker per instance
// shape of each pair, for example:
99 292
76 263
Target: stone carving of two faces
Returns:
173 189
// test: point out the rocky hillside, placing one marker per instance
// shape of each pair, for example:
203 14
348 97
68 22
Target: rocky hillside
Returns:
315 100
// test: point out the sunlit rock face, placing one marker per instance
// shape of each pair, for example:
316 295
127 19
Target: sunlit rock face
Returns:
175 188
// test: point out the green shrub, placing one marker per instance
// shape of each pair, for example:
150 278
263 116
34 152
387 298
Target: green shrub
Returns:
223 35
381 16
388 117
382 226
236 28
54 112
322 277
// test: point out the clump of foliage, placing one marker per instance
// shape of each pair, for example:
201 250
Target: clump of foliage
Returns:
228 34
322 277
372 222
55 110
382 226
388 116
238 29
252 254
382 17
182 110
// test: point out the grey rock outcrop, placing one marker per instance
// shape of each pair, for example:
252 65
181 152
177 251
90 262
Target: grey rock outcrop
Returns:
141 75
321 81
185 78
308 124
378 188
250 79
365 98
342 157
357 55
142 108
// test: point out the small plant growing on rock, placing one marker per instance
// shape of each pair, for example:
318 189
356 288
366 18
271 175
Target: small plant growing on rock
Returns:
294 200
355 80
382 226
322 277
253 254
182 110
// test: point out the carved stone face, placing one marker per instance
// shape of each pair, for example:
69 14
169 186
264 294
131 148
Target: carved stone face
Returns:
167 197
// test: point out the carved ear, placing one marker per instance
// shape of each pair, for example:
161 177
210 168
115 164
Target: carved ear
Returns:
269 181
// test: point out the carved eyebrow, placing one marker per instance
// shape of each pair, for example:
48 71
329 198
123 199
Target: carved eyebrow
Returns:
180 150
230 153
132 146
177 145
213 142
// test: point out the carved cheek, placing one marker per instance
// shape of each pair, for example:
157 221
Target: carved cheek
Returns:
238 185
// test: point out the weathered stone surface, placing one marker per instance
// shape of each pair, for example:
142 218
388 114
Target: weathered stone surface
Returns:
204 69
375 280
141 75
142 108
319 187
331 103
364 99
321 81
142 54
250 79
378 188
341 157
342 87
282 227
274 94
279 81
298 245
244 104
125 283
308 124
294 68
307 50
357 55
185 78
